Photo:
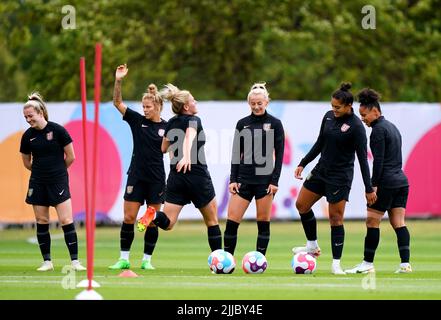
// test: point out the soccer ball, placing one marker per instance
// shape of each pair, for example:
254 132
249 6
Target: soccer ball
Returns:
254 262
303 262
221 261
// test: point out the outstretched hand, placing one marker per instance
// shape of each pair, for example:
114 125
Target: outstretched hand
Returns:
121 71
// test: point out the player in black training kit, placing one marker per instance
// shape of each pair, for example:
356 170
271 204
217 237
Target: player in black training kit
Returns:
388 180
146 175
47 151
189 179
341 136
254 173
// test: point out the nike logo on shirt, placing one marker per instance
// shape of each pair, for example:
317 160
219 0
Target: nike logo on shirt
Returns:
144 126
334 193
245 127
61 192
31 139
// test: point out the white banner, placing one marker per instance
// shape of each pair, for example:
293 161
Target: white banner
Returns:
419 123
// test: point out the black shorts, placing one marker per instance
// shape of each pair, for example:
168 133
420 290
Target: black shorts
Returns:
48 194
185 188
142 191
333 193
249 191
390 198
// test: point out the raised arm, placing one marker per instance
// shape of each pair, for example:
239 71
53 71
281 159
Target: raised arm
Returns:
120 73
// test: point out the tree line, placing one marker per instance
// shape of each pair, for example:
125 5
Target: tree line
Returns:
302 49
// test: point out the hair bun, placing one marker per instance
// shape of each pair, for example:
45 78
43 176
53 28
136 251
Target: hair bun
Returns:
258 88
152 88
345 86
259 85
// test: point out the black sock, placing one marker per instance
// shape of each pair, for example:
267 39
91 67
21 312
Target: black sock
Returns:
309 225
403 241
371 243
71 239
44 240
230 236
263 236
337 241
161 220
126 236
214 237
150 239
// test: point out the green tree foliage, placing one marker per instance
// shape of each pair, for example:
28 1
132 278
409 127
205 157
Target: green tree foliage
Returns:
217 49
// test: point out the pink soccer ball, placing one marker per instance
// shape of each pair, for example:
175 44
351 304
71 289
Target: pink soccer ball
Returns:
303 263
254 262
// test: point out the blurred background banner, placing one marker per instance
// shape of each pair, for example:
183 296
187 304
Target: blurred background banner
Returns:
419 123
302 49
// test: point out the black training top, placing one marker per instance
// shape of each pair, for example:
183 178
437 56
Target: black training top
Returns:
147 159
175 133
386 148
47 149
255 139
337 143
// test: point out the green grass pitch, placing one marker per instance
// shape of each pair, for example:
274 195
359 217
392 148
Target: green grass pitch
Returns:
182 273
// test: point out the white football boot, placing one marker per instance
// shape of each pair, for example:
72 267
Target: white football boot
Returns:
336 268
314 251
364 267
46 266
404 268
76 265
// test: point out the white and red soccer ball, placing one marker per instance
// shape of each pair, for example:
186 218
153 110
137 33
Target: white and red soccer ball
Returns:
303 263
254 262
221 261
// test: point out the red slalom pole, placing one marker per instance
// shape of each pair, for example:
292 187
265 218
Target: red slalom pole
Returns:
86 176
97 93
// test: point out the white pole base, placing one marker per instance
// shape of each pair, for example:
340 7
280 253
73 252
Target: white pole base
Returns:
85 284
89 295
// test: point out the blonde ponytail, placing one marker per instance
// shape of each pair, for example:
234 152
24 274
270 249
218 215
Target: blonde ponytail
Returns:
178 98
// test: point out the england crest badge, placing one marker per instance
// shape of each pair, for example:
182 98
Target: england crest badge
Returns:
345 127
